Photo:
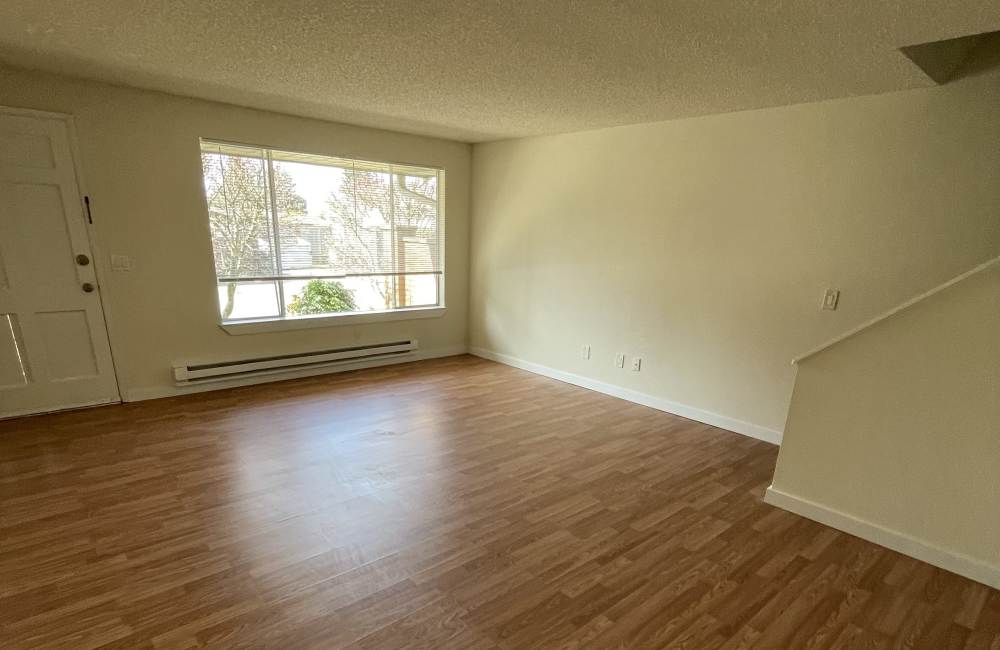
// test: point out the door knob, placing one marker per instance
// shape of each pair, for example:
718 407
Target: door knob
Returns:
82 260
87 287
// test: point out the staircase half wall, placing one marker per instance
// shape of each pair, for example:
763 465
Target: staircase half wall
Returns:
893 433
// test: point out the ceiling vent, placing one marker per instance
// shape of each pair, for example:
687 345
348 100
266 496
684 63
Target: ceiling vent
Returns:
952 58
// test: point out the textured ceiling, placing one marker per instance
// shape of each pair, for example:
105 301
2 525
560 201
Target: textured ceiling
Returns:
484 70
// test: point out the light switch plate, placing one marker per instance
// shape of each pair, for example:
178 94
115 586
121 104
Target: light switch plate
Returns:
636 364
620 360
830 299
121 263
585 351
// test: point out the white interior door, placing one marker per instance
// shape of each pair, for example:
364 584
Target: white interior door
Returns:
54 350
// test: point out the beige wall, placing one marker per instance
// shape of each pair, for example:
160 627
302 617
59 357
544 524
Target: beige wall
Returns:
898 427
705 245
141 166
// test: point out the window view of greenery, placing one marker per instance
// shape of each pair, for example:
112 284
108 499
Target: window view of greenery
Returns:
302 235
322 297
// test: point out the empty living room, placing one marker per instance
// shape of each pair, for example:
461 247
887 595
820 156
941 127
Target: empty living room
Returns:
457 324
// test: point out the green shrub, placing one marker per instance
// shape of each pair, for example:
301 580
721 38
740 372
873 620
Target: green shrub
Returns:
322 297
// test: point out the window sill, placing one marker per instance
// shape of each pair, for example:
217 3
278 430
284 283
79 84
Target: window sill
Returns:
333 320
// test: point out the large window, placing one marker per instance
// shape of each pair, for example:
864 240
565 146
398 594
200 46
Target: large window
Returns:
298 235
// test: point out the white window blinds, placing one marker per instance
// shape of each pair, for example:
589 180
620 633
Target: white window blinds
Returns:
278 216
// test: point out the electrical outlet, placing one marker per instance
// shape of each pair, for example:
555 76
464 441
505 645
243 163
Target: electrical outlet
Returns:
636 364
620 360
830 299
585 352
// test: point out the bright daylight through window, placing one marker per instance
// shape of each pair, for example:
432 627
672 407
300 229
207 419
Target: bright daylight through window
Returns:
302 235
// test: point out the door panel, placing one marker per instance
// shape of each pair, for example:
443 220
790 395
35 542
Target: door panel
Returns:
37 215
68 344
54 347
26 150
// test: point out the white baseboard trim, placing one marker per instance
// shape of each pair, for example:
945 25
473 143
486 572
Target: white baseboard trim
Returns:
692 413
959 563
156 392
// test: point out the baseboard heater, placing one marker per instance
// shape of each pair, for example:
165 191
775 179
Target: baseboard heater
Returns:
222 370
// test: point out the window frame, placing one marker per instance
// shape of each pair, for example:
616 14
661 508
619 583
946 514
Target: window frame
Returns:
284 321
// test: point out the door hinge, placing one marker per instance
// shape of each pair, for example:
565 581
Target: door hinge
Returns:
90 217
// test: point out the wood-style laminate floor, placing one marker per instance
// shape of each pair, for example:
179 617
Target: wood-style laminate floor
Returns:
444 504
